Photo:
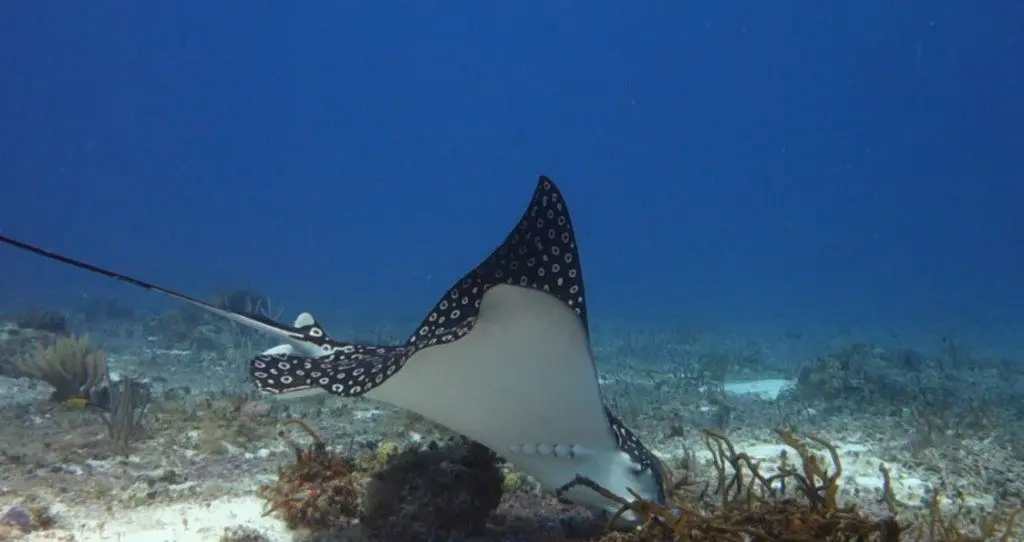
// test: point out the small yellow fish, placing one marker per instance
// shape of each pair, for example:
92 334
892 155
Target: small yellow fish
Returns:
77 402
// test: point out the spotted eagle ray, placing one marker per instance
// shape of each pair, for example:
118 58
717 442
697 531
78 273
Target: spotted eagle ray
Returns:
503 358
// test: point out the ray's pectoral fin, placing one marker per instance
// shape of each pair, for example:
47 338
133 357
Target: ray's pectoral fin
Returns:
324 364
349 369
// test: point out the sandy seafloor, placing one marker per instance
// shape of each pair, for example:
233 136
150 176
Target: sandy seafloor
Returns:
198 470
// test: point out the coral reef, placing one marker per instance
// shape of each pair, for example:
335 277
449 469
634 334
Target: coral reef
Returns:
43 320
865 374
17 343
185 328
96 309
188 328
247 301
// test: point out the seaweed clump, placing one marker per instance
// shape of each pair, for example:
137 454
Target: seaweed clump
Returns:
799 503
24 520
319 492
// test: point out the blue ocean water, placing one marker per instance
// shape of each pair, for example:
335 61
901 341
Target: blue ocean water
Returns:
793 176
755 162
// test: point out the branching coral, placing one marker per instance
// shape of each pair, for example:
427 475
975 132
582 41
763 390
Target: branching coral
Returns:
320 491
126 408
951 527
799 503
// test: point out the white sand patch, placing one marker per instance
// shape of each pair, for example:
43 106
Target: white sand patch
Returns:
193 522
767 389
367 414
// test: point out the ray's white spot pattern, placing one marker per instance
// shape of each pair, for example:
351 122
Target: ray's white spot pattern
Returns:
342 372
539 253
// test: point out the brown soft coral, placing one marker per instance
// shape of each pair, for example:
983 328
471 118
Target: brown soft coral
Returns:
73 366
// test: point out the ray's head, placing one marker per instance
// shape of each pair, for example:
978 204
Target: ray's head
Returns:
635 470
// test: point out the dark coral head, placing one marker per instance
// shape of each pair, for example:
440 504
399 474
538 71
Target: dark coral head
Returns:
452 488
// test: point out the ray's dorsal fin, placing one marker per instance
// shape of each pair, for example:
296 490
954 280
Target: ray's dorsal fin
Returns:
306 320
539 253
315 341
